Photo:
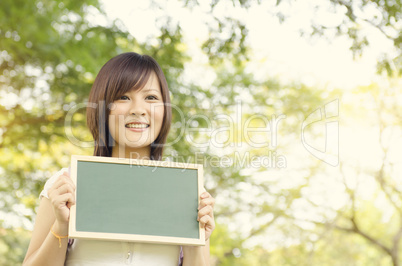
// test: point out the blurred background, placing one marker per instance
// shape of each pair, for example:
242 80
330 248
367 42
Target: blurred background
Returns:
316 180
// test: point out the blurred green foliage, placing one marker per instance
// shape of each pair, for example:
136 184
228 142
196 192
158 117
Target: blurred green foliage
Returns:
353 19
50 52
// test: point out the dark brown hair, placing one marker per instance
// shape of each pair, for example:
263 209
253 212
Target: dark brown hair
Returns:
119 75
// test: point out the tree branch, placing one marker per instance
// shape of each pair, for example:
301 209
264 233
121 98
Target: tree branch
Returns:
378 27
357 230
395 245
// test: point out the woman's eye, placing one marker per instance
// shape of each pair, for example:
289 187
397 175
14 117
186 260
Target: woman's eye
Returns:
123 98
151 97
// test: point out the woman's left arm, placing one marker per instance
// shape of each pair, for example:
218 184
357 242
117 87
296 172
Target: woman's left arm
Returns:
199 255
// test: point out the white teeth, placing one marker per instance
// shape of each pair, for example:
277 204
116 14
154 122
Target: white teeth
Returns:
137 125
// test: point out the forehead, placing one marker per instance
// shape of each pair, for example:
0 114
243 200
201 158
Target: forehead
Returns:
152 83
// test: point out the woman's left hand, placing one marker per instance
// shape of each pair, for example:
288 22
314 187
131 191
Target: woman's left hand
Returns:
206 213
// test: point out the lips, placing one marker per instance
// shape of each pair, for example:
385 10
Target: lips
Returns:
139 125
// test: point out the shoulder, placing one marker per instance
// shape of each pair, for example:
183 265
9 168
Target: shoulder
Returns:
49 183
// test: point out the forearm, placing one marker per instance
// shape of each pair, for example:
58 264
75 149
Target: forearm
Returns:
198 255
50 252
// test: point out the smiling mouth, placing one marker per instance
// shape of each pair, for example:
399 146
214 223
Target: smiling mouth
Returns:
135 125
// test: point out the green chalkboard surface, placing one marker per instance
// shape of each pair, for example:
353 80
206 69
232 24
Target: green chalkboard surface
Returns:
146 201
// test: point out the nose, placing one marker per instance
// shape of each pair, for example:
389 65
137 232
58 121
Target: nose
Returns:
137 108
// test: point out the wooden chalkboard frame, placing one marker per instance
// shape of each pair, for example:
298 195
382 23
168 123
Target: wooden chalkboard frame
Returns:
74 233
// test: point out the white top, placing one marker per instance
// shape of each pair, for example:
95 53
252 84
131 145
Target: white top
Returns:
95 252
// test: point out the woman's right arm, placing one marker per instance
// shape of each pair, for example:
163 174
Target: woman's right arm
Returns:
53 214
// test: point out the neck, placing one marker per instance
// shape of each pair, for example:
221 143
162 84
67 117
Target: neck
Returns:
131 153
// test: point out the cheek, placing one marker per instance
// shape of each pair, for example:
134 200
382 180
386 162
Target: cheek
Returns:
116 120
158 115
117 109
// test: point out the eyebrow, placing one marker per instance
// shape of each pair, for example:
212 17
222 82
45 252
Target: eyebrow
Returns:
150 90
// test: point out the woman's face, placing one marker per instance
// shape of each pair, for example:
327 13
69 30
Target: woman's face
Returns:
136 118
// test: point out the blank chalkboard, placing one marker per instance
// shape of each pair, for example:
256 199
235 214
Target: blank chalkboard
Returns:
136 200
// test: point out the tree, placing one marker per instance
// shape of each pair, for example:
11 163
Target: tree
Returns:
359 20
387 113
50 52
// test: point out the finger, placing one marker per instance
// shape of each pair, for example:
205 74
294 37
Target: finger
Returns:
68 198
205 195
207 210
66 177
63 199
57 184
64 188
208 201
69 204
61 181
66 174
207 221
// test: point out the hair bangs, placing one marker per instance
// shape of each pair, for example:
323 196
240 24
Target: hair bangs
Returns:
132 75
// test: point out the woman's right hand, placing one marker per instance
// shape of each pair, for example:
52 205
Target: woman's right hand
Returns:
62 197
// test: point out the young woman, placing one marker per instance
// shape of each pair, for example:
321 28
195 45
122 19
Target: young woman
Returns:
129 117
